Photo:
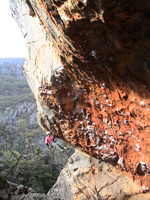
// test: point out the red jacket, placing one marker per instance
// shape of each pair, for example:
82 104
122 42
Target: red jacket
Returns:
49 139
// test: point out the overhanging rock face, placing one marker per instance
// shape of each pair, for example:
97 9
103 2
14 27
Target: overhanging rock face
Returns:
88 65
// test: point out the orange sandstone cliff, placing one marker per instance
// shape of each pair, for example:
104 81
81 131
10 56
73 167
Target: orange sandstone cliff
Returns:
88 65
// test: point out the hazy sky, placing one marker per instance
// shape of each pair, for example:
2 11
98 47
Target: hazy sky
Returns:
12 44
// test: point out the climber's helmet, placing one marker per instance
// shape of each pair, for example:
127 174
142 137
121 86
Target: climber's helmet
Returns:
48 133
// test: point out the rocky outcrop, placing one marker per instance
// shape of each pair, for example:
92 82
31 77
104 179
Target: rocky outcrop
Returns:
13 113
11 191
88 65
85 177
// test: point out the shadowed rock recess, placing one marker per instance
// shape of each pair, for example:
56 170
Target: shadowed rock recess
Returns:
88 65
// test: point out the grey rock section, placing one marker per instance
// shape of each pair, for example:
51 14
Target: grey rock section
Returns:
41 60
85 177
11 114
11 191
20 109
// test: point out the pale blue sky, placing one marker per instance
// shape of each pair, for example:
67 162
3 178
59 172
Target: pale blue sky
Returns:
12 44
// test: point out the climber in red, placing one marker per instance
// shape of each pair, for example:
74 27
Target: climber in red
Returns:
49 139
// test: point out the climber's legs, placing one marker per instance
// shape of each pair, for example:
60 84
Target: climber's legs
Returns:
57 146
